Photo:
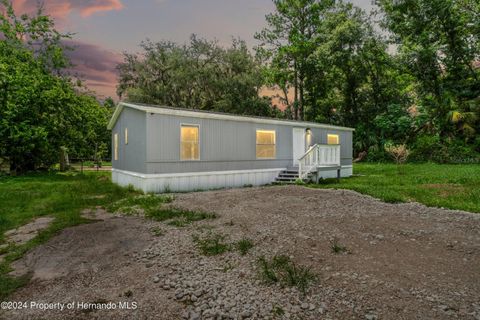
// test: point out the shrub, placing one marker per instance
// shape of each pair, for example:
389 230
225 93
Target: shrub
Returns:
431 148
399 153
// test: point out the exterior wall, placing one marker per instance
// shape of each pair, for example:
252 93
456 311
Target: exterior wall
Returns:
225 145
131 156
346 147
194 181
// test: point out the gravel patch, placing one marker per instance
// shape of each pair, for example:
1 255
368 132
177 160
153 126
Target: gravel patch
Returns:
403 261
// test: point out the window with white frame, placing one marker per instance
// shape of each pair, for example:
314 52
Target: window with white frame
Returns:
189 142
265 144
126 135
333 139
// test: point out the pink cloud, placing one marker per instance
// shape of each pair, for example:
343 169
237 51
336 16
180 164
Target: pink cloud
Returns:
62 8
96 66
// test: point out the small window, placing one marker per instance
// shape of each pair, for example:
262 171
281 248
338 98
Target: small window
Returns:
265 144
126 135
333 139
189 143
115 146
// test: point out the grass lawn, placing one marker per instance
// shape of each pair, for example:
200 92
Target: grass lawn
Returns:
62 196
435 185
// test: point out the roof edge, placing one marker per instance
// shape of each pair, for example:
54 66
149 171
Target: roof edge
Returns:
115 115
219 116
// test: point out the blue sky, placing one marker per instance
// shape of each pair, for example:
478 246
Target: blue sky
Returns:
105 28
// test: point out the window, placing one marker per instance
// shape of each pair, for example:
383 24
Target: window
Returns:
265 144
333 139
189 146
126 135
115 146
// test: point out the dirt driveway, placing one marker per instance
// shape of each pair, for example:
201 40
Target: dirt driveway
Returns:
405 261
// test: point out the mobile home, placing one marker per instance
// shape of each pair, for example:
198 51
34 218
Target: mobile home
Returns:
158 149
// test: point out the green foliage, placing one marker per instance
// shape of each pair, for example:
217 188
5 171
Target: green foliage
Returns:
281 269
436 185
439 46
41 111
211 244
151 206
244 245
342 71
199 75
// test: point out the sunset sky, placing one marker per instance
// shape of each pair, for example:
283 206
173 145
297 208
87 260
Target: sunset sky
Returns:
105 28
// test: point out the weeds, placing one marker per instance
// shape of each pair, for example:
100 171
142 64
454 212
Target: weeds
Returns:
278 311
300 182
336 247
178 217
211 244
137 204
228 267
244 245
157 232
281 269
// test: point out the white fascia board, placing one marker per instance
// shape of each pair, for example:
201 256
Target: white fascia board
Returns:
115 116
217 116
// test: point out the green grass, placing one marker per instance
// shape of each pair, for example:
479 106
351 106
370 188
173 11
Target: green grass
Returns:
147 204
211 244
435 185
281 269
244 245
62 196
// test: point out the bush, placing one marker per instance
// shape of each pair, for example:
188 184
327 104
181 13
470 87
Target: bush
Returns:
431 148
399 153
376 154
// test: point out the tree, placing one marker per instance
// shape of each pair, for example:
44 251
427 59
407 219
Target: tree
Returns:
287 43
197 75
438 41
41 112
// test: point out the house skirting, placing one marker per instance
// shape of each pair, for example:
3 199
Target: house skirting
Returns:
195 181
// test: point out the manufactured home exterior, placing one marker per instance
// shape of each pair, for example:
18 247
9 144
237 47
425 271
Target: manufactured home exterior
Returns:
159 149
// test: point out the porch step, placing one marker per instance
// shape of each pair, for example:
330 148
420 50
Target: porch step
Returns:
287 176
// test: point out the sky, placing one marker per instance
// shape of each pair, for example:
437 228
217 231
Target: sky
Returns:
103 29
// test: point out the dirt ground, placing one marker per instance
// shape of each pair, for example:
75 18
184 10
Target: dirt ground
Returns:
405 261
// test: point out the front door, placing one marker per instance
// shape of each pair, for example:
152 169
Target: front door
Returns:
298 145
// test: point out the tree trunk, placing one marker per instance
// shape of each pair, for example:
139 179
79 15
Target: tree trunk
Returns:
295 99
300 101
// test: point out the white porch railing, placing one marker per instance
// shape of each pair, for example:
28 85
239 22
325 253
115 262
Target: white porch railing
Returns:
316 156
